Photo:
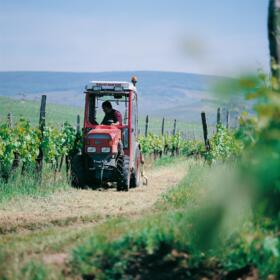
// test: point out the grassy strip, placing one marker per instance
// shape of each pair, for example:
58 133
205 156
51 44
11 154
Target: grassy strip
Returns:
167 160
201 228
29 185
17 249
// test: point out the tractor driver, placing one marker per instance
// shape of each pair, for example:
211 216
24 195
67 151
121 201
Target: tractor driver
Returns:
112 116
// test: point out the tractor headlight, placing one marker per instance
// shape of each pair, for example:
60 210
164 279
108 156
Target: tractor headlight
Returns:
91 149
105 150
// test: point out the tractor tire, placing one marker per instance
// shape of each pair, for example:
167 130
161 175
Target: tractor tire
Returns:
123 173
135 178
78 172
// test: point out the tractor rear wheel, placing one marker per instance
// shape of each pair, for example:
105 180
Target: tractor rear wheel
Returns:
136 173
78 173
123 173
135 178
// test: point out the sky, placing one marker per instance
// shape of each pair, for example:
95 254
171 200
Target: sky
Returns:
219 37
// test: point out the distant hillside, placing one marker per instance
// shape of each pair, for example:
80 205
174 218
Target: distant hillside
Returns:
169 94
56 115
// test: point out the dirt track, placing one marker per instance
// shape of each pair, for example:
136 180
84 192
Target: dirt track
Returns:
87 206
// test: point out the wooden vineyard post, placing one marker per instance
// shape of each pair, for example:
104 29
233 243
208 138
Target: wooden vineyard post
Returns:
10 120
218 118
174 128
61 163
205 131
162 127
15 163
42 119
273 36
146 126
162 134
173 133
227 119
78 127
42 123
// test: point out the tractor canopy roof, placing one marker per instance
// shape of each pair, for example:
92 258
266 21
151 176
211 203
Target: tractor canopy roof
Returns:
109 86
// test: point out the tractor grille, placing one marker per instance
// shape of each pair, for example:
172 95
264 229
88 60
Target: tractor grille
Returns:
101 161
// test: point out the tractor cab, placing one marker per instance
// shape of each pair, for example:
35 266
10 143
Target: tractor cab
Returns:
111 152
123 97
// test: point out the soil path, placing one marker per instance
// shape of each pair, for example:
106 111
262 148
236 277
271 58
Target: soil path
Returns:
87 206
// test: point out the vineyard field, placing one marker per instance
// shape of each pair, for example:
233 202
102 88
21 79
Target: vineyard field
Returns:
140 140
187 189
22 142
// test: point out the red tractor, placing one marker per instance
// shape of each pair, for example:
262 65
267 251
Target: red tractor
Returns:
110 153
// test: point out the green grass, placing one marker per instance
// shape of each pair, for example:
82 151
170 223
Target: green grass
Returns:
29 185
167 160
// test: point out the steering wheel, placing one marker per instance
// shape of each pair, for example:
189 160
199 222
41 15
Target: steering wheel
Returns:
110 122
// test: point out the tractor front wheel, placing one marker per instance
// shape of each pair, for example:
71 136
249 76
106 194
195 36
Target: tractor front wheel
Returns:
123 173
78 173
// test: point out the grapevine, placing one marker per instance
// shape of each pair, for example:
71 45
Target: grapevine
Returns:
23 142
169 145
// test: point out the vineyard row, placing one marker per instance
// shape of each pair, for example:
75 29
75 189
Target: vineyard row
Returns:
25 145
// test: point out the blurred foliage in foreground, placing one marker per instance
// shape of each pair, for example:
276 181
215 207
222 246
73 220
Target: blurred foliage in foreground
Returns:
260 165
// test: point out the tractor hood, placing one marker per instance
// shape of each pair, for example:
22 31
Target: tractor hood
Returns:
113 131
103 137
